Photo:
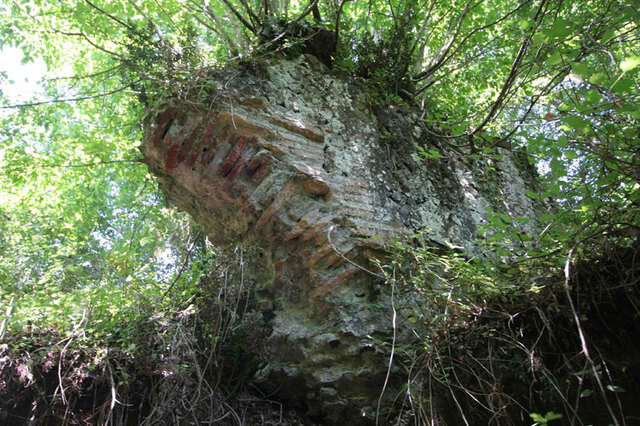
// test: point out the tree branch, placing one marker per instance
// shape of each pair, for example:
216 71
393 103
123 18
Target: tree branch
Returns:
71 166
149 20
444 59
514 71
218 29
337 27
243 21
107 14
257 22
308 10
55 101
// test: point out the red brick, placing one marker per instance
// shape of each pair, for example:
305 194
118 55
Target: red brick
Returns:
285 193
315 186
233 155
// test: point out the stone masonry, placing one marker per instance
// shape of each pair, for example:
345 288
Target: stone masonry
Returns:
290 158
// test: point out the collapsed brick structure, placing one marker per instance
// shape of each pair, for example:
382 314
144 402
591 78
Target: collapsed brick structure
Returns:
292 159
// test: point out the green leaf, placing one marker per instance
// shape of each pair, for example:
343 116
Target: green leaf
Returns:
429 154
571 155
561 28
538 418
630 63
593 96
581 69
623 85
598 78
525 24
611 164
609 35
562 142
585 393
553 416
575 122
539 38
554 59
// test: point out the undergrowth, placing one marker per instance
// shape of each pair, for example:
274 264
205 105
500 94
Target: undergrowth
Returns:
500 345
170 363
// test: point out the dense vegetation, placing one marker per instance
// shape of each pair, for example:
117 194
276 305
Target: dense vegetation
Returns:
89 249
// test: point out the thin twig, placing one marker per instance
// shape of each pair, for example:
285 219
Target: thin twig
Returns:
583 340
349 260
393 348
182 268
55 101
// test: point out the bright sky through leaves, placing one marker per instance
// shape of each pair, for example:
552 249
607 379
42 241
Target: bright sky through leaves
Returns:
20 82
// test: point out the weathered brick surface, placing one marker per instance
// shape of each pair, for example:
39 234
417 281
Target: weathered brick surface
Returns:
294 163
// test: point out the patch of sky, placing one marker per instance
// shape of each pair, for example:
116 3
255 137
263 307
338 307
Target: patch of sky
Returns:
19 81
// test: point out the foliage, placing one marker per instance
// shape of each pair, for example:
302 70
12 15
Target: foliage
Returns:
497 347
87 243
540 419
178 364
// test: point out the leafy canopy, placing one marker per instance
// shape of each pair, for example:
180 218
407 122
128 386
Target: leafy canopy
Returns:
80 213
